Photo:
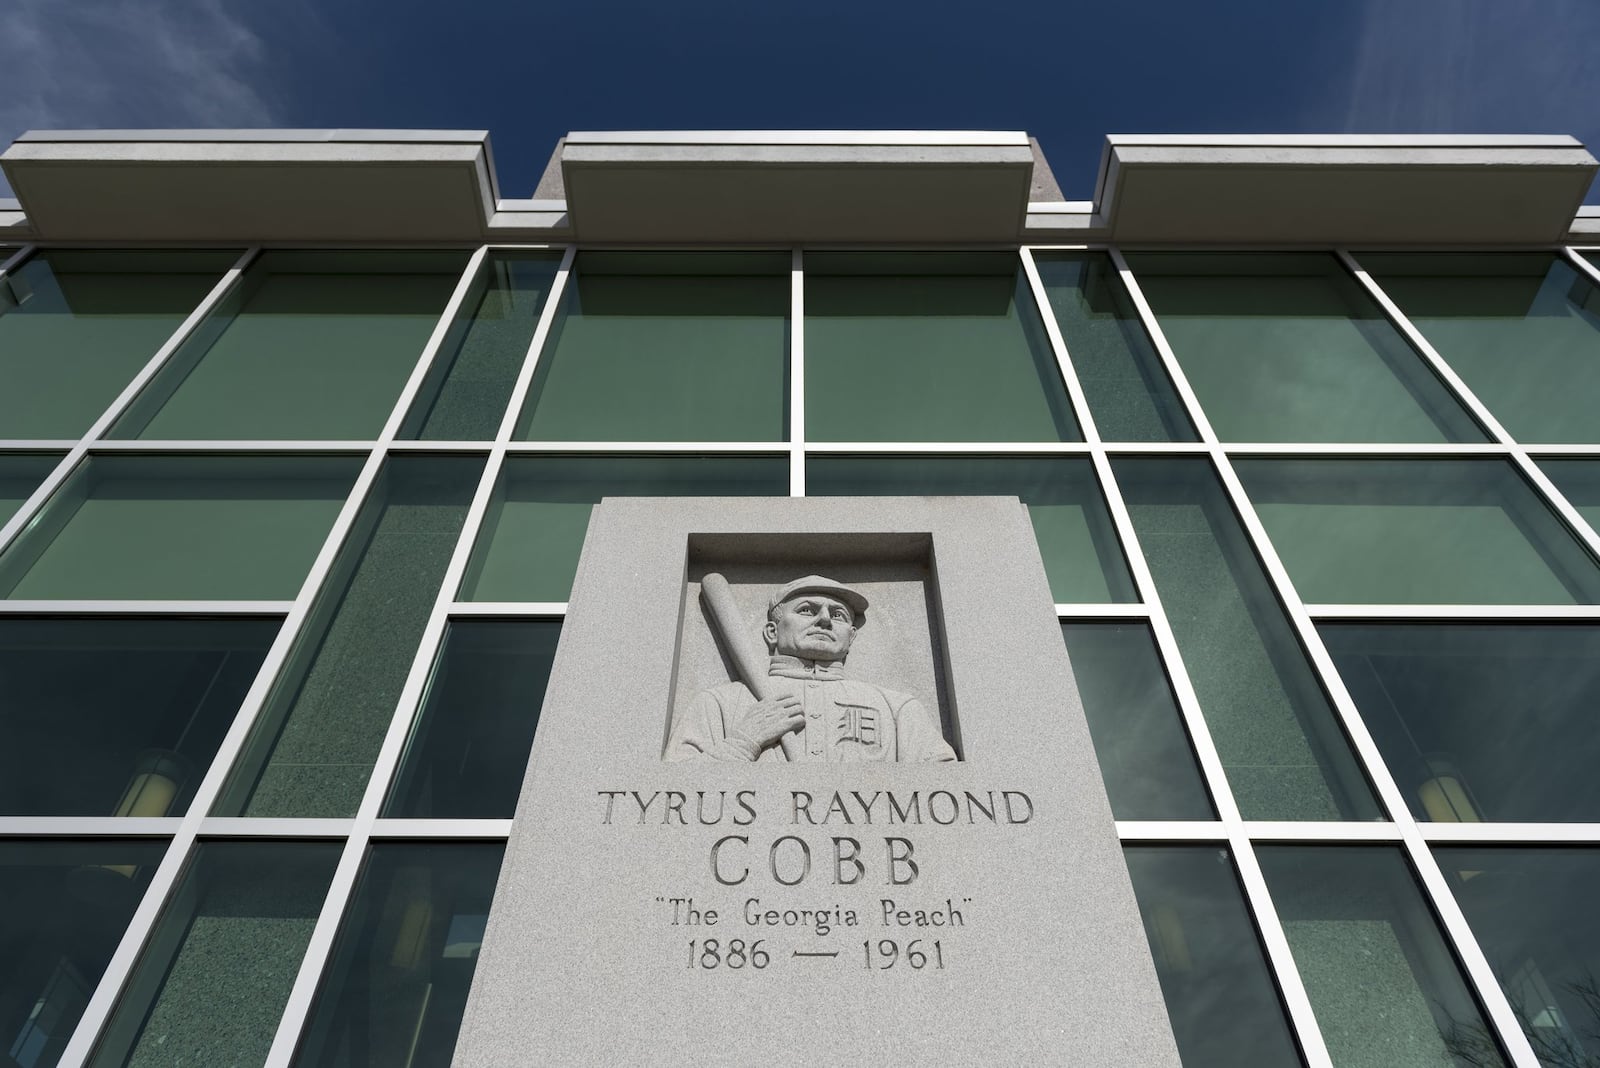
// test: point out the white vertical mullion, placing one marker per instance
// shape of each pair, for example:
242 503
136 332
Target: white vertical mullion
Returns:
1169 359
430 351
547 318
14 260
10 529
1479 974
1581 262
1258 898
120 967
298 1007
1455 929
1517 453
797 374
1437 363
229 279
1058 345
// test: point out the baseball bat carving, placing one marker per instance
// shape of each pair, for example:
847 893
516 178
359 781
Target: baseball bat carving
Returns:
748 661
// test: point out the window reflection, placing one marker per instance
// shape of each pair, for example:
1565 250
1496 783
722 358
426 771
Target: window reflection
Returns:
216 972
65 907
118 716
1533 913
1478 721
397 984
1220 997
1382 982
1385 531
469 750
1139 739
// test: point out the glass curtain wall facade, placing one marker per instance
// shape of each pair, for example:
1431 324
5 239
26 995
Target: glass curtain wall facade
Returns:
1319 526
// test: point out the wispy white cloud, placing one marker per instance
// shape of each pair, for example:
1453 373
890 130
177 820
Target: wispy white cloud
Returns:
1474 66
144 63
135 63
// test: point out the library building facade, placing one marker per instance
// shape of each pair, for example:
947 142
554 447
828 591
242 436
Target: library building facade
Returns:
781 597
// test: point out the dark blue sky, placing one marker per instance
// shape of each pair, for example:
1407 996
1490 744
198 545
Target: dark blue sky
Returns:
1069 73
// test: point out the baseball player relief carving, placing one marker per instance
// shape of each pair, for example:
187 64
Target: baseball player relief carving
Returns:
796 703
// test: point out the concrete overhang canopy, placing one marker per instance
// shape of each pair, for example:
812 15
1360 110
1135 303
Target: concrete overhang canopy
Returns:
754 187
253 185
1395 189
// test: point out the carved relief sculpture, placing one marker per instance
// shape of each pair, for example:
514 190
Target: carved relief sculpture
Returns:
798 705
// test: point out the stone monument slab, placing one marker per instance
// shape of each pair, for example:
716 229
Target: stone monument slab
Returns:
813 785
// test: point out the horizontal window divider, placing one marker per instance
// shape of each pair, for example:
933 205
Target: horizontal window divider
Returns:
1089 247
274 827
986 448
1397 450
893 246
1156 448
89 826
547 246
452 828
1533 613
480 446
1537 451
229 446
1511 833
1172 831
1317 831
1102 611
37 444
141 608
772 448
552 609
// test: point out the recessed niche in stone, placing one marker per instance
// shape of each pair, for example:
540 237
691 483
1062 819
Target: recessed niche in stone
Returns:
899 648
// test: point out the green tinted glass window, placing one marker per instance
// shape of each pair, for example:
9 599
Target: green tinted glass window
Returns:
75 327
180 528
1477 721
666 347
1220 997
309 346
1285 754
1081 555
1532 911
66 905
118 716
470 382
1417 532
1383 984
469 750
528 549
397 982
216 973
1129 393
1139 739
928 347
20 475
1579 483
1521 329
316 741
1289 347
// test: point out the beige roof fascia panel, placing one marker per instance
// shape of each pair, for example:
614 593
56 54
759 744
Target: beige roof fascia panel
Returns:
169 186
1343 189
754 187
